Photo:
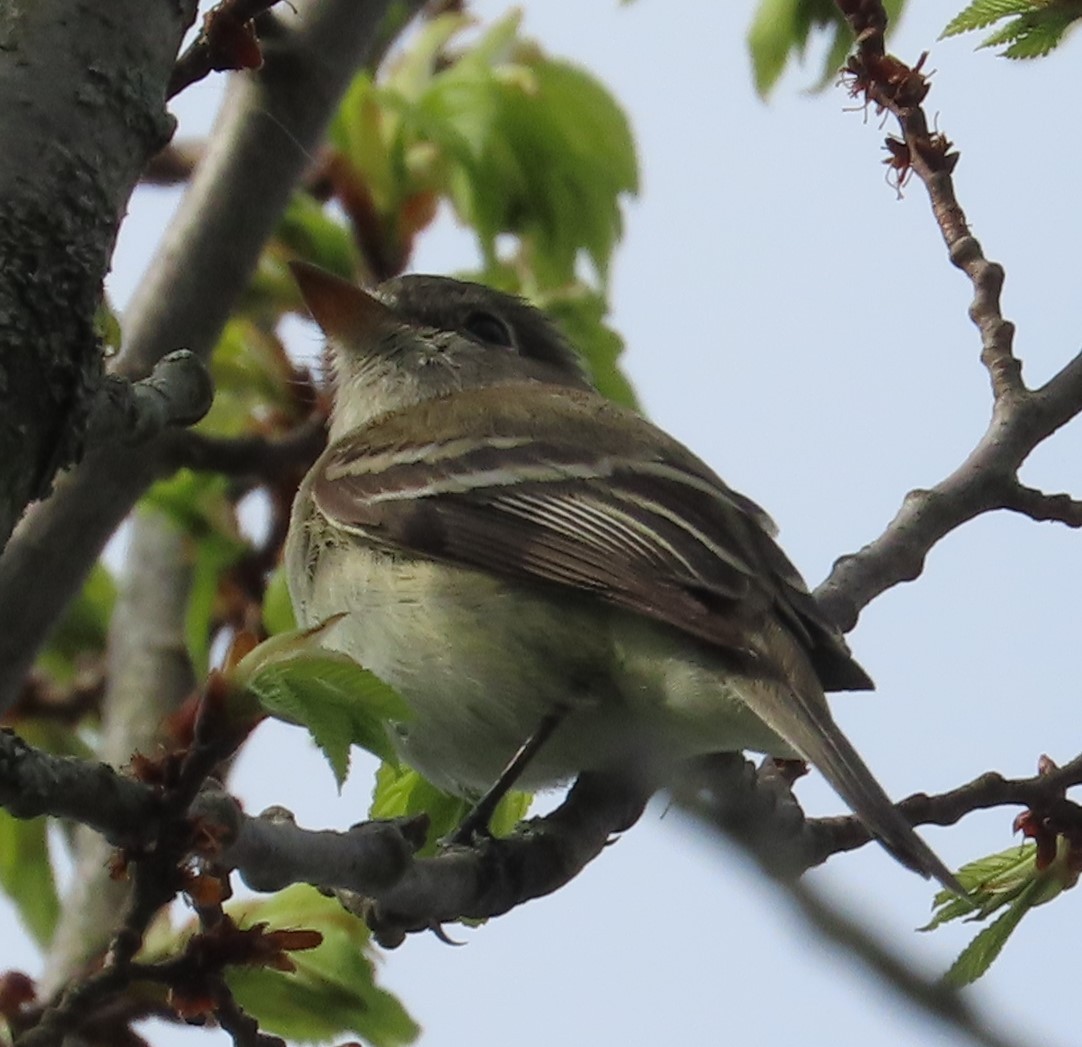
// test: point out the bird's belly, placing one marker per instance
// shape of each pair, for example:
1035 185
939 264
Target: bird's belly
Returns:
481 663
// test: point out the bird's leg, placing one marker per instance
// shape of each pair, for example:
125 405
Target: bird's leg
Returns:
479 817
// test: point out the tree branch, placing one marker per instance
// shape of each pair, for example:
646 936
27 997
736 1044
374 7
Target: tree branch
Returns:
178 392
265 457
757 809
148 674
271 851
1021 418
83 111
174 164
495 875
227 41
271 123
34 784
895 971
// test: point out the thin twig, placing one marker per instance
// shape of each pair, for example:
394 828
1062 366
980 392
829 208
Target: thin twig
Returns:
174 164
263 457
226 41
827 836
1021 418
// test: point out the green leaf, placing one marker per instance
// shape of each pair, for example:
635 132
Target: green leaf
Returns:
278 614
213 556
26 874
1008 880
364 131
401 791
84 626
333 991
1033 27
979 954
1005 34
198 503
414 71
509 812
771 36
252 375
982 13
341 703
1043 34
107 327
580 312
200 506
783 29
309 231
534 147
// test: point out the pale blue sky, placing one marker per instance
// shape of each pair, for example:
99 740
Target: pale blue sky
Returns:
802 330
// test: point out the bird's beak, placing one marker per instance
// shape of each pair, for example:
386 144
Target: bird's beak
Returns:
347 314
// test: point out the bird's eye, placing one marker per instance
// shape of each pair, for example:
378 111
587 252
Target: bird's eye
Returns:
489 329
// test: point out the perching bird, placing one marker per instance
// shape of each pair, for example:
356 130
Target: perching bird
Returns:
513 553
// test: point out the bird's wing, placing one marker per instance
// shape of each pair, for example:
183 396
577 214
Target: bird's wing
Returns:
558 486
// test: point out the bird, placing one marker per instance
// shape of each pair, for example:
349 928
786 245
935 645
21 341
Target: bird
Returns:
522 559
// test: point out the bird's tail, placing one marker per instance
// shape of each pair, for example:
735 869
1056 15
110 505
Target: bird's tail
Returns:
808 726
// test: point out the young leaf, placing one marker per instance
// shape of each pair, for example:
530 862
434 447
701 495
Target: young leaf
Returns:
213 555
981 13
310 232
331 992
401 791
771 36
580 312
341 703
1033 27
1011 880
26 874
84 626
782 29
1043 33
200 505
277 609
979 954
533 147
251 373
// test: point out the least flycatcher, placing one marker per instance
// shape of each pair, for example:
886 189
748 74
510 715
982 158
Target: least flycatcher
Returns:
508 549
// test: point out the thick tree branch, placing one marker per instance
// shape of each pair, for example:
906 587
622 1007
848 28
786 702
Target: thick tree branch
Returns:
269 127
271 851
148 674
897 972
400 894
34 784
83 111
1021 418
178 392
495 875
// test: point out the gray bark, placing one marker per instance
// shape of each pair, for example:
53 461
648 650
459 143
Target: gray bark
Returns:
83 86
265 138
